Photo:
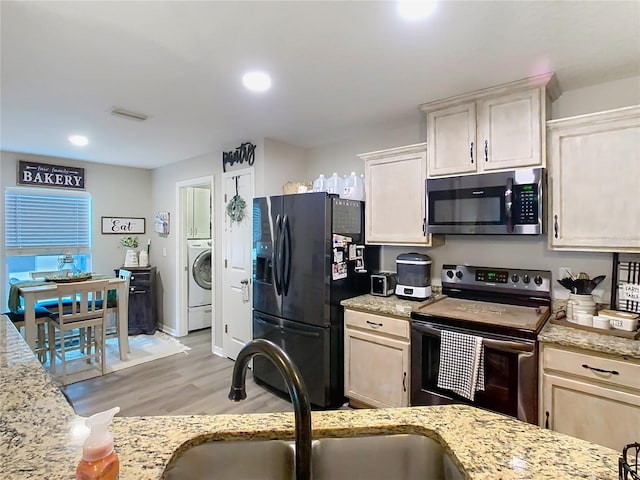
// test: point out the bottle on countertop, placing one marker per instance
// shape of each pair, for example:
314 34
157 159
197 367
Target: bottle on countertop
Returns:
99 459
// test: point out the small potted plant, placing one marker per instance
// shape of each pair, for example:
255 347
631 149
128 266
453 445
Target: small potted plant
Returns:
130 258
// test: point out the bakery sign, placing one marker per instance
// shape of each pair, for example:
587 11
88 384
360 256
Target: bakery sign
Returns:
45 175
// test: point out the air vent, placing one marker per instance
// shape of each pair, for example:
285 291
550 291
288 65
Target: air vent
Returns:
121 112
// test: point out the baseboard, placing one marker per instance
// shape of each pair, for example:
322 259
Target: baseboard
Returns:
169 331
218 351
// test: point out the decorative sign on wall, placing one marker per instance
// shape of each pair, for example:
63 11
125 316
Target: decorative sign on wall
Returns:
245 153
45 175
120 225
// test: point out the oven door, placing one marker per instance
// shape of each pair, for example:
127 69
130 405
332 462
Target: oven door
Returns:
511 372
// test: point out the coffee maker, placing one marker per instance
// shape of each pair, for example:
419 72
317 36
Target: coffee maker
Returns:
414 276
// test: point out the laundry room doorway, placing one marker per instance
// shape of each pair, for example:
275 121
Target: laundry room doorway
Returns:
195 261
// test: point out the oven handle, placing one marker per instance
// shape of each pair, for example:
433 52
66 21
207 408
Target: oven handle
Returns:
502 345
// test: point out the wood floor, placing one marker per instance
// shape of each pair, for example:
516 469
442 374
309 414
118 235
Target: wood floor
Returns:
184 384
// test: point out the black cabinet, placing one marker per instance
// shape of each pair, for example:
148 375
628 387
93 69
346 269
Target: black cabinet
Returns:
142 300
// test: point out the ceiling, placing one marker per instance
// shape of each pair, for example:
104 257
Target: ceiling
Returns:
337 68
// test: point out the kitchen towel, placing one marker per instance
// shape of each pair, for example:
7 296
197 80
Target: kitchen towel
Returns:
461 364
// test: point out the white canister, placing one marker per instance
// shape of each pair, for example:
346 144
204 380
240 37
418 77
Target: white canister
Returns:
143 261
579 304
131 259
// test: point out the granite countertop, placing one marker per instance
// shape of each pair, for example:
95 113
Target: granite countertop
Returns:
596 342
391 306
555 334
39 432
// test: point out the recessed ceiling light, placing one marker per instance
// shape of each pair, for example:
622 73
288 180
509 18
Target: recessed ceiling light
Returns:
79 140
416 9
256 81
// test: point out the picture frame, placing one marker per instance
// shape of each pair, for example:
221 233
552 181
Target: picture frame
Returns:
122 225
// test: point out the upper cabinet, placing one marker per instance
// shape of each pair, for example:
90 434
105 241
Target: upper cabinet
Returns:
198 212
594 172
395 197
499 128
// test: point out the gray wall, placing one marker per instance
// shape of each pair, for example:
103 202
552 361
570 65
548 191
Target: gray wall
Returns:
115 192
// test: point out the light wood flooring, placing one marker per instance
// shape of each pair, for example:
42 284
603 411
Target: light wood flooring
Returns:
194 383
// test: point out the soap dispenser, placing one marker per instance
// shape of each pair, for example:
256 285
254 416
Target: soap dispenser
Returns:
99 460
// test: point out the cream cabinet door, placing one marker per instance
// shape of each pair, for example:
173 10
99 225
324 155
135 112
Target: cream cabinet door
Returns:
201 213
451 140
395 193
590 412
376 369
510 129
594 174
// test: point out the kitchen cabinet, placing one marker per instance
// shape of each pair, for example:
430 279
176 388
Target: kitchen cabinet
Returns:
395 193
376 359
198 212
499 128
594 169
142 301
591 396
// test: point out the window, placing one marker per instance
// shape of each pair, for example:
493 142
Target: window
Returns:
41 225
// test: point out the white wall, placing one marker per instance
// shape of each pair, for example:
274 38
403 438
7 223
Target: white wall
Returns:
596 98
282 163
115 192
164 180
514 252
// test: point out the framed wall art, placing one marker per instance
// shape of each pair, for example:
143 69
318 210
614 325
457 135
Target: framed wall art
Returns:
121 225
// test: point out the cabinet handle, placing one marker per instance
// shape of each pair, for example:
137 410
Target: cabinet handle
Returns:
424 226
555 226
374 324
486 150
546 422
471 152
600 370
404 381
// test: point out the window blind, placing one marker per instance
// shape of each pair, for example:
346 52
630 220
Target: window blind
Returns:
47 221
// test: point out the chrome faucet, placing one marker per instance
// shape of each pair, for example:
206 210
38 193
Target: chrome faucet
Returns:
297 391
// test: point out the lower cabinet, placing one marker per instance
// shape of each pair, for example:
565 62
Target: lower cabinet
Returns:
376 360
590 396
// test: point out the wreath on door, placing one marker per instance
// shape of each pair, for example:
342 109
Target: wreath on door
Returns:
236 206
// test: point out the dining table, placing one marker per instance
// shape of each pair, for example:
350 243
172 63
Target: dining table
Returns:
31 292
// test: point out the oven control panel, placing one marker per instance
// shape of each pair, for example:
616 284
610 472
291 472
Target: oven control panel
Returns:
503 280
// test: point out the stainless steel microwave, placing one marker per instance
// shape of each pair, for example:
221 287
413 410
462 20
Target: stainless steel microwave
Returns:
500 203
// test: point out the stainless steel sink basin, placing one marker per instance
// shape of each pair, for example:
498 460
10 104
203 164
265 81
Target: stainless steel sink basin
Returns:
384 457
235 460
398 457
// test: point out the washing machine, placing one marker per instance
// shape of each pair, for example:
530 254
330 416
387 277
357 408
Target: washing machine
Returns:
199 296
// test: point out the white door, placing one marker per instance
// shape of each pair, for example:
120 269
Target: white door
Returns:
237 237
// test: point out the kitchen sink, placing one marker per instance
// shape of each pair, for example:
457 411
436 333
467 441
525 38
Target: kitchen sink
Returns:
235 460
401 457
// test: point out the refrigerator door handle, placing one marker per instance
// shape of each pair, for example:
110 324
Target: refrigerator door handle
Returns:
286 268
289 328
277 271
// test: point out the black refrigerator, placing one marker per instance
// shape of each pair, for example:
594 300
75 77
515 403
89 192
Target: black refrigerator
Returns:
308 255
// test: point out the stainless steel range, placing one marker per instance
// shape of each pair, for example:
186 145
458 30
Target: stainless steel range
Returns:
506 308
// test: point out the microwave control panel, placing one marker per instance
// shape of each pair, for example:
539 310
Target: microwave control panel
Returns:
525 205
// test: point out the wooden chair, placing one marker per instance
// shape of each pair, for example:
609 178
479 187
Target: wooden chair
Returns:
87 311
114 332
42 319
